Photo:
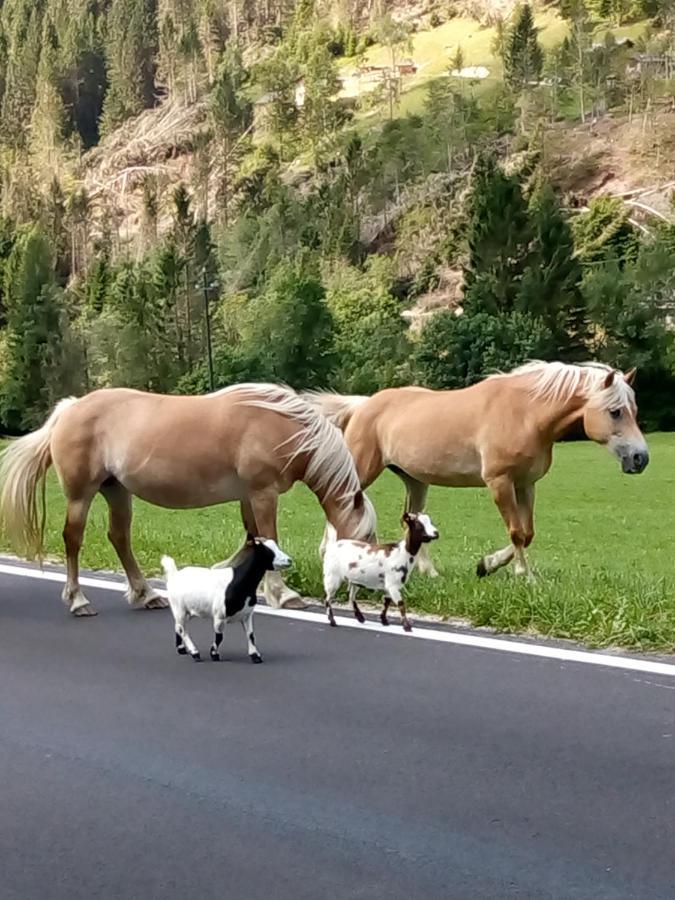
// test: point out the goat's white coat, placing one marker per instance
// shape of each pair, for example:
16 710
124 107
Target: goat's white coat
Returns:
372 567
198 592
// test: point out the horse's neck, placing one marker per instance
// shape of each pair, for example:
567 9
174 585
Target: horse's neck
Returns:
558 419
337 514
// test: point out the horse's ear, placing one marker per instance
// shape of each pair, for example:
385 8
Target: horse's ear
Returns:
629 376
609 380
358 500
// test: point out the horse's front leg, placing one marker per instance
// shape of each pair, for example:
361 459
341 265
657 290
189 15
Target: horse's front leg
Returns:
504 494
277 593
525 498
140 594
416 500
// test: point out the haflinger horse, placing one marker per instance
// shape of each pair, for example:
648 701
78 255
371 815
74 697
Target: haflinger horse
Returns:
248 442
497 433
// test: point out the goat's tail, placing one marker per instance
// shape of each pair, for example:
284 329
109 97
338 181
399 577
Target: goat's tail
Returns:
23 468
169 566
337 408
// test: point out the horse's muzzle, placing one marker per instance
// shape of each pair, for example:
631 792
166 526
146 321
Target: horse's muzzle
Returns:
634 463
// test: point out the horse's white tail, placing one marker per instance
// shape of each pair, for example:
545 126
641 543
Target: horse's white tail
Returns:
23 466
337 408
169 566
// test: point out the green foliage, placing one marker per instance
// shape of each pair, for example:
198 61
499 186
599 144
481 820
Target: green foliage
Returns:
289 331
455 351
604 232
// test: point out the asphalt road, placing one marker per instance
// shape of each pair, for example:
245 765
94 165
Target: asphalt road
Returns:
350 765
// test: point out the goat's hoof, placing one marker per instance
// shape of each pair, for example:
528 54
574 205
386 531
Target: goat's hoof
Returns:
196 657
384 619
182 651
215 657
481 569
359 617
332 623
255 657
406 625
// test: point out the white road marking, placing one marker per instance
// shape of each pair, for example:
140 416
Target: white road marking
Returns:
586 657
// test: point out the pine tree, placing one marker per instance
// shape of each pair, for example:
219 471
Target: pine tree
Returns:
131 47
23 57
33 322
499 232
523 57
231 115
551 283
48 117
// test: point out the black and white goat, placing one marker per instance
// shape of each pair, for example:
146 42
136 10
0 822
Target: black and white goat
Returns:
225 595
379 567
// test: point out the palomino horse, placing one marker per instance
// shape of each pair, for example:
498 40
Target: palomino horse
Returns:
249 442
498 433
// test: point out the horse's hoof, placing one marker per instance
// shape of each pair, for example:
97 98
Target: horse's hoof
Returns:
156 602
295 601
85 610
255 657
181 651
481 569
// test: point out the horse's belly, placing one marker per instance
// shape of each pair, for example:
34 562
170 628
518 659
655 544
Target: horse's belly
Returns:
185 492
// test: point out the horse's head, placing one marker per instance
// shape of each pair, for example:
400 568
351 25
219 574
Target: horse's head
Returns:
610 418
354 518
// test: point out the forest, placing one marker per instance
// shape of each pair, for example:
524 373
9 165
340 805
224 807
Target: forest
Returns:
200 192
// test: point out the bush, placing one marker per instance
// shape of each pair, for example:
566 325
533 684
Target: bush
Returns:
456 351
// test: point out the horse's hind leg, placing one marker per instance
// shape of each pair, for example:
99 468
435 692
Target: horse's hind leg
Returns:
73 533
140 594
263 506
415 501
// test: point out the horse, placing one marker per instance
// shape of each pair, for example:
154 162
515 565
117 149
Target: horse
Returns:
247 443
498 433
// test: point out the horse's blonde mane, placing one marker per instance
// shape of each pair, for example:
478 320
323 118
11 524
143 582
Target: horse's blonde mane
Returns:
557 382
331 466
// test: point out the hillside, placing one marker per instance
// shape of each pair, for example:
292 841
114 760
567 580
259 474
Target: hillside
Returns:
333 177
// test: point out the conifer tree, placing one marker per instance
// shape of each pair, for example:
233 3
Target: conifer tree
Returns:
523 57
131 46
498 234
33 328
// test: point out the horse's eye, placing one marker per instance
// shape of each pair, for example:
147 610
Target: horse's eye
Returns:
615 413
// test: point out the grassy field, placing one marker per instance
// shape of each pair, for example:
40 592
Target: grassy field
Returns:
603 553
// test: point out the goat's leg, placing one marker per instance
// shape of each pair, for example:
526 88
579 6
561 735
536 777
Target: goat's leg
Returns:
385 609
218 628
400 602
186 641
253 654
331 586
353 590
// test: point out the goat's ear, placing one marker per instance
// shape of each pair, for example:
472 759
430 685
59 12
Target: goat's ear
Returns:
406 518
629 377
358 500
250 539
609 380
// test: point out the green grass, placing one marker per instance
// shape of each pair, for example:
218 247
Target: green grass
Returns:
603 551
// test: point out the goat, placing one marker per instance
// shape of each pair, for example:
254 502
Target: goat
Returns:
226 595
383 567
